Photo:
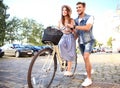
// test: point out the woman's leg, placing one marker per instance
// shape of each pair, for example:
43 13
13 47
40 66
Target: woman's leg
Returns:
69 65
68 72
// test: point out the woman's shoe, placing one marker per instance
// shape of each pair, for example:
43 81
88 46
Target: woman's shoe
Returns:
68 73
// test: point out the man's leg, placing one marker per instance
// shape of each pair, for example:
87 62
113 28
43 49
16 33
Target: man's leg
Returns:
88 67
86 56
87 64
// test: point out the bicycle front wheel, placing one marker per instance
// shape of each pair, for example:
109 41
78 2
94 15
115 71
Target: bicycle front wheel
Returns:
42 69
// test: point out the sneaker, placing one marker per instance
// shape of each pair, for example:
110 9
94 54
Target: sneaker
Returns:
87 82
92 71
68 73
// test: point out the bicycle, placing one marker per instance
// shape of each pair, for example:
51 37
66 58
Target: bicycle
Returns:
47 66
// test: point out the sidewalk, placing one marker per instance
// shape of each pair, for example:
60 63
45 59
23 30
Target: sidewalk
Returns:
13 73
106 73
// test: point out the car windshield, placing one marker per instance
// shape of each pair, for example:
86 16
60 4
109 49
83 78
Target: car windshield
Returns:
18 46
21 46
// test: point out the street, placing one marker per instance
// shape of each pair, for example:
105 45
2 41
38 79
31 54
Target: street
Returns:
106 72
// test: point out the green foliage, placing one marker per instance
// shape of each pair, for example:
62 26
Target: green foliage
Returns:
32 31
12 30
26 26
3 9
36 35
24 30
97 44
109 42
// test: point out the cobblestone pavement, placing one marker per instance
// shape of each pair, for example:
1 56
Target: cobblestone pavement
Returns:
106 67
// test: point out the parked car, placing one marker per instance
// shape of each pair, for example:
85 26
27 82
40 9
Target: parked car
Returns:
1 52
34 48
118 50
94 50
16 50
43 47
108 50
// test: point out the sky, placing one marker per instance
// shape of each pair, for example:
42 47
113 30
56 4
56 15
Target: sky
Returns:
48 12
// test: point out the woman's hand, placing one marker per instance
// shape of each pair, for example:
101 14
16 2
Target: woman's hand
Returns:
70 26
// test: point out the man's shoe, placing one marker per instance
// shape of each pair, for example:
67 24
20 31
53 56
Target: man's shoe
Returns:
87 82
68 73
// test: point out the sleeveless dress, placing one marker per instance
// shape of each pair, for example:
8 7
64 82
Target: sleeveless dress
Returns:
67 46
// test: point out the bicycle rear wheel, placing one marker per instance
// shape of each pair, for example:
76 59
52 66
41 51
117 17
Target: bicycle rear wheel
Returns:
42 69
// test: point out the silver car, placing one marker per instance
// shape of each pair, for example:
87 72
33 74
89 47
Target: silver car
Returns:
16 50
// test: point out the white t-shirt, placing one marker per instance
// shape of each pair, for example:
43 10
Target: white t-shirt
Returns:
89 21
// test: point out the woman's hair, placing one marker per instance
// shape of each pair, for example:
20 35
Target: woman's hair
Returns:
69 11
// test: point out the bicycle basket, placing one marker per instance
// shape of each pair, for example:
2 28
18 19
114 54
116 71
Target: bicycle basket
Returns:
52 34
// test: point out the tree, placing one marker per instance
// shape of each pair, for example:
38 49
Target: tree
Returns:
26 28
31 31
109 42
97 44
3 16
24 31
36 36
12 30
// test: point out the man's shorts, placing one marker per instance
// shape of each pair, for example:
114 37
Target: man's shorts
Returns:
86 47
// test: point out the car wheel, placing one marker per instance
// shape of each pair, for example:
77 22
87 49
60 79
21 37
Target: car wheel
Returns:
2 54
17 54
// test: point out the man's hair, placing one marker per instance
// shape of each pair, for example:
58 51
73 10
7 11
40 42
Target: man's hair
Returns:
83 3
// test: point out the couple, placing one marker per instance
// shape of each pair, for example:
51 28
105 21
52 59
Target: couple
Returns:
80 28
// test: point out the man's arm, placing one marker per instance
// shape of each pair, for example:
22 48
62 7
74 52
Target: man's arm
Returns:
87 27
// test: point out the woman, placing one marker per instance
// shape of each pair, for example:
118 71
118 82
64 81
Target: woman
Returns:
67 44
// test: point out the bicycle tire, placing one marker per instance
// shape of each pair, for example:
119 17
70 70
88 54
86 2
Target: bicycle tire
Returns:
42 70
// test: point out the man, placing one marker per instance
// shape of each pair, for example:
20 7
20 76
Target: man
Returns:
83 26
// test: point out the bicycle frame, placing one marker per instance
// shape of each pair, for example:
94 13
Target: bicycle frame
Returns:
63 63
